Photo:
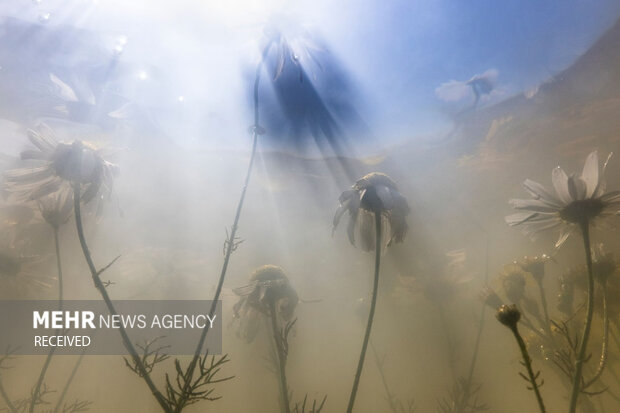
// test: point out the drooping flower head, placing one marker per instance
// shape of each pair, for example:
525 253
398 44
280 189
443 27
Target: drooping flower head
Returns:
375 193
58 163
57 208
578 199
267 284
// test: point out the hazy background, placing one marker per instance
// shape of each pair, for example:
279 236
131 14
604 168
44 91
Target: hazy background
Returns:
167 87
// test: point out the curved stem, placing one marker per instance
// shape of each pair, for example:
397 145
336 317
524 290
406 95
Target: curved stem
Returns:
527 361
65 389
585 232
281 355
371 315
603 360
37 388
106 298
230 242
9 404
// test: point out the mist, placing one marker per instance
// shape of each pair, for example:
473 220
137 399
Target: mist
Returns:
168 98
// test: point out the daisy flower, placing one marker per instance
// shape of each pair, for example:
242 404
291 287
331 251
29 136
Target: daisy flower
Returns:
54 164
266 283
578 199
373 193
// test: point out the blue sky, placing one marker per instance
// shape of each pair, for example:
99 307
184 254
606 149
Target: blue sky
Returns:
416 46
394 53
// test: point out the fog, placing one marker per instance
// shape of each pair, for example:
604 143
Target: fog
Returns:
166 94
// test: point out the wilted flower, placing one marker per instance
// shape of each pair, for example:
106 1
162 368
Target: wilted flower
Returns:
56 208
579 200
508 315
375 193
57 164
267 284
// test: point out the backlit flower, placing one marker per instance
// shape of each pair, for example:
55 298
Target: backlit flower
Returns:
267 283
375 193
57 208
57 163
578 199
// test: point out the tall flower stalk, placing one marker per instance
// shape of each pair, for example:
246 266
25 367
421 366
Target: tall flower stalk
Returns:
374 197
56 210
509 316
282 356
579 200
269 294
231 243
371 314
78 148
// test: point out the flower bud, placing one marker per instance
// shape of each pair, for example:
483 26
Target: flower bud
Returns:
508 315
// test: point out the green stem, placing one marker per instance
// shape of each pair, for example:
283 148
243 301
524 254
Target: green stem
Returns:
10 406
585 232
371 315
106 298
464 400
37 388
61 398
603 360
527 361
229 244
281 355
543 302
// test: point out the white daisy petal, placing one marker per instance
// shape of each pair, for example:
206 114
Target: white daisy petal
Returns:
589 175
560 183
577 188
532 229
539 192
519 218
602 184
564 236
612 196
533 205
